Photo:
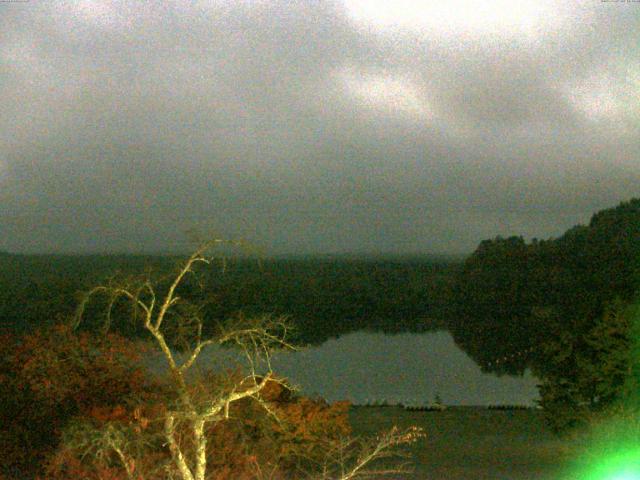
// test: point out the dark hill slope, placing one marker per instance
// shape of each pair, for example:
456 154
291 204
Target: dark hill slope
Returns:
512 295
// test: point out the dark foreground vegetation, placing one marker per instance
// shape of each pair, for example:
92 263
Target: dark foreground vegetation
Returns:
78 406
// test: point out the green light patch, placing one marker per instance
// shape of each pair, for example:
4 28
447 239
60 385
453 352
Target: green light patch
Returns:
623 465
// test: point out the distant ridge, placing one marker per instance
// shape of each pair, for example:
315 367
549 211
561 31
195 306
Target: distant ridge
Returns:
384 256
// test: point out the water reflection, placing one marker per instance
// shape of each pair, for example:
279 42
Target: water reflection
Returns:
409 368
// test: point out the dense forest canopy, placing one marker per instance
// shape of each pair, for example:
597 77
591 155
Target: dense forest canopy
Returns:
324 296
514 296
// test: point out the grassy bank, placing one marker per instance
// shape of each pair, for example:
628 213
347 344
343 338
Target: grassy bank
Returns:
473 443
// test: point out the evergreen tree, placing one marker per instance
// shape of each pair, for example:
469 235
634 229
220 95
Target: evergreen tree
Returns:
587 374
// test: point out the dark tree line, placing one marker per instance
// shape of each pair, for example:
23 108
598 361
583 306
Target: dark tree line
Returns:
323 297
562 307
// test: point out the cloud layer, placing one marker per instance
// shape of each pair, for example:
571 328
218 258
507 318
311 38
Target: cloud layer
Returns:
313 126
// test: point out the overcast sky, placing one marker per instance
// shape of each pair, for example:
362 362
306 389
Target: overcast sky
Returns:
313 126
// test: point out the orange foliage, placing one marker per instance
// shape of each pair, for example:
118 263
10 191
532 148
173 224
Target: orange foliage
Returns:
52 375
250 441
295 436
56 377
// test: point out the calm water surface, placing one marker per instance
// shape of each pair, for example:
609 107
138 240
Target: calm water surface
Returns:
409 368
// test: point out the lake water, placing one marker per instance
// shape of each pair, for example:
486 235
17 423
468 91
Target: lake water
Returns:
366 367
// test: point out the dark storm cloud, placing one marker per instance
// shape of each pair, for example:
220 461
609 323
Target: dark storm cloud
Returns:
308 129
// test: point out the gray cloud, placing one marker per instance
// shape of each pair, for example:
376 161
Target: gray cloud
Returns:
305 129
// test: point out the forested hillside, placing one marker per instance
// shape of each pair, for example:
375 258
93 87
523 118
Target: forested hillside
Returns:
324 297
513 296
562 307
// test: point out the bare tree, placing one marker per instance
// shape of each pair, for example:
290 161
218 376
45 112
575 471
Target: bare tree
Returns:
360 458
194 412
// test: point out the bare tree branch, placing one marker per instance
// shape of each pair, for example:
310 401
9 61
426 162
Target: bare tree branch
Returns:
257 338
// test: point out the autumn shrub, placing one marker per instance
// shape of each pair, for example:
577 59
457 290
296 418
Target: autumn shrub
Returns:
65 396
111 444
288 440
51 376
81 406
